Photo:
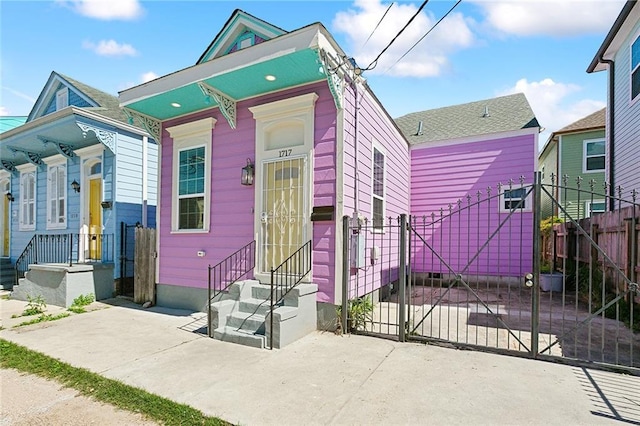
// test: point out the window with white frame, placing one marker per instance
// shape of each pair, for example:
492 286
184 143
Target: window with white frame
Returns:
62 98
191 175
594 156
28 199
595 207
57 196
635 68
515 199
378 186
191 179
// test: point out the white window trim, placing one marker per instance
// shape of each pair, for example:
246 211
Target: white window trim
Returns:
632 100
24 170
528 202
56 161
584 155
587 207
187 136
62 94
377 147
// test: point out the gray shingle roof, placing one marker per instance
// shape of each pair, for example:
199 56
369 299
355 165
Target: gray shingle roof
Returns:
109 104
592 121
505 113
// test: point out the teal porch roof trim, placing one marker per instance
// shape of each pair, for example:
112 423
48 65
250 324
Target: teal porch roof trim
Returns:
11 122
294 69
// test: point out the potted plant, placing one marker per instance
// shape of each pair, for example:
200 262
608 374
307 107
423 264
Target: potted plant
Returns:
550 280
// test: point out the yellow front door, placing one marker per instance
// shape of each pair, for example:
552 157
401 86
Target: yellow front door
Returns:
5 227
283 218
95 218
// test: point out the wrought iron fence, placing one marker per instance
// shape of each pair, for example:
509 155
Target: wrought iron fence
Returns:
286 277
65 249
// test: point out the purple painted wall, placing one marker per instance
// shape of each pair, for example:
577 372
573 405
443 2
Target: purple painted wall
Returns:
232 217
373 125
443 175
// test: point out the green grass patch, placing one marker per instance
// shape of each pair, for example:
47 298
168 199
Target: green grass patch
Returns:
102 389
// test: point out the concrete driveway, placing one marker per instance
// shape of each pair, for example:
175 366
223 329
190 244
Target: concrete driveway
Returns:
324 378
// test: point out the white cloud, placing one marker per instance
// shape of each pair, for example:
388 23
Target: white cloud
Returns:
110 48
550 17
105 9
4 111
148 76
429 58
548 99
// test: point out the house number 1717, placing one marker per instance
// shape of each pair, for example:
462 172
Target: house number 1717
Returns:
285 152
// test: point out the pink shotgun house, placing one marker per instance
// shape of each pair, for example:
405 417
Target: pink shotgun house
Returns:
266 143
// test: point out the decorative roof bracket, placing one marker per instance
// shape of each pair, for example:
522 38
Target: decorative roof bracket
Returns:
151 125
226 103
9 166
62 148
335 76
32 157
107 138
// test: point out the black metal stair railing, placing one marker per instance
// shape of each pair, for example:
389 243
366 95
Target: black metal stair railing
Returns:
64 249
228 271
286 277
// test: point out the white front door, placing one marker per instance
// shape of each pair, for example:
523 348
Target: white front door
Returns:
284 216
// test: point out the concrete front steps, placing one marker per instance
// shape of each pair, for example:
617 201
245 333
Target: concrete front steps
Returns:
241 315
7 273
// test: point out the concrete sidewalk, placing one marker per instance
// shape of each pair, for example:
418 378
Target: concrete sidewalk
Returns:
327 379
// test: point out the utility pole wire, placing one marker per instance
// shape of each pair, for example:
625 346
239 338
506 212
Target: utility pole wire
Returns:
375 61
377 25
426 34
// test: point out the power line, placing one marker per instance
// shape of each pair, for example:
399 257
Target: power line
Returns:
374 63
425 34
377 25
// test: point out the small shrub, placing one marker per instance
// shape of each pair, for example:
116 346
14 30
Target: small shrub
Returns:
35 306
360 311
80 302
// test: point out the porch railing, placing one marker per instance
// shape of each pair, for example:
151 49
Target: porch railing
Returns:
64 249
286 277
228 271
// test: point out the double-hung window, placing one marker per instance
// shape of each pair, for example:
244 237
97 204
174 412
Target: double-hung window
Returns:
28 199
635 69
191 176
594 155
378 186
57 196
191 180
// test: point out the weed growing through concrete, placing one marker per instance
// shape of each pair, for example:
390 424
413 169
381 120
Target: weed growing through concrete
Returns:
35 305
44 318
80 302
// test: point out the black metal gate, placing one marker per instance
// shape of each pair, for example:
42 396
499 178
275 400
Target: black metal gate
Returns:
124 284
490 273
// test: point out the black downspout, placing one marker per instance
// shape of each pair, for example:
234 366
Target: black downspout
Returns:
611 147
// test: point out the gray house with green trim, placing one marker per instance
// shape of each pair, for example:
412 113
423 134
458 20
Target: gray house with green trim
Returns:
577 151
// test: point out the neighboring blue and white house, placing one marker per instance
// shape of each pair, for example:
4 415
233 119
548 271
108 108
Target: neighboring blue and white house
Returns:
74 172
619 54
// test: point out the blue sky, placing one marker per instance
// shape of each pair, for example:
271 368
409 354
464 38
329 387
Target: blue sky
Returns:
481 50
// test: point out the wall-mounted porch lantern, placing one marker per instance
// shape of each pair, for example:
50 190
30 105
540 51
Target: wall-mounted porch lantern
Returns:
75 186
247 174
9 197
106 204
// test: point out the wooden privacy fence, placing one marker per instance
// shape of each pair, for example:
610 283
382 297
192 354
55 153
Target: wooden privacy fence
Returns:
144 265
616 233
